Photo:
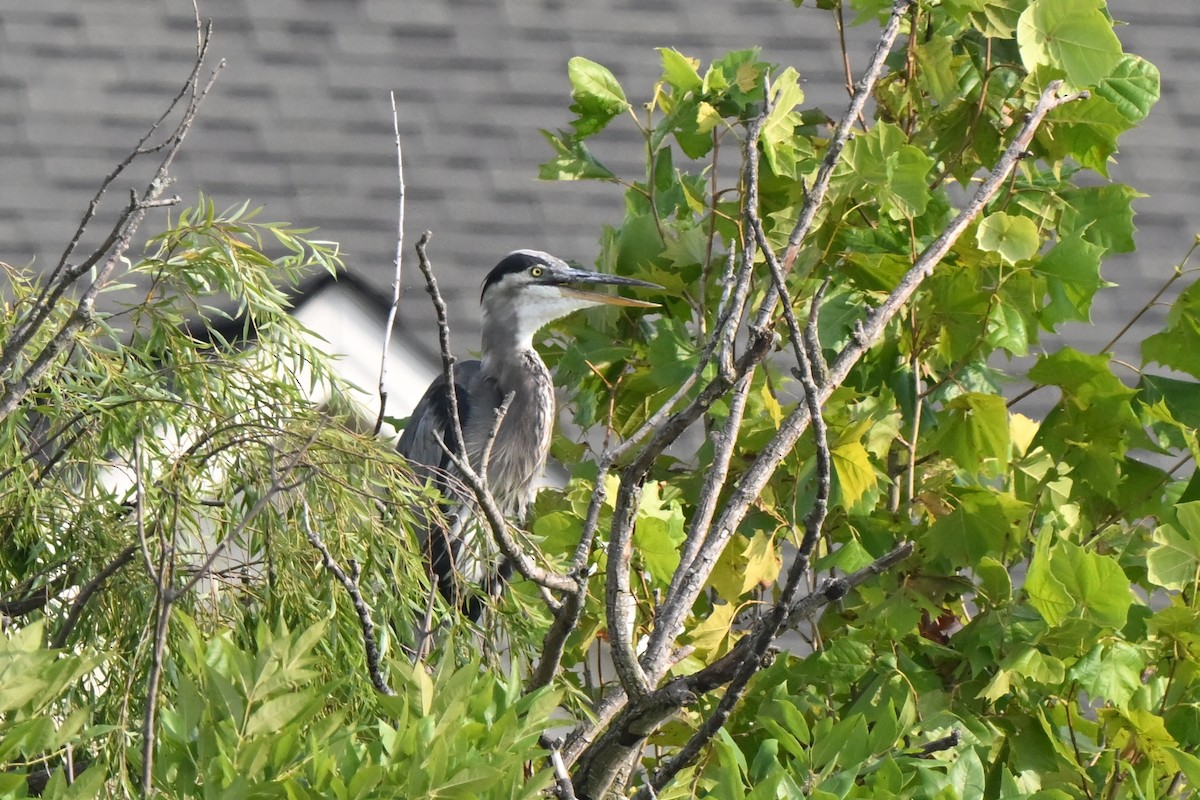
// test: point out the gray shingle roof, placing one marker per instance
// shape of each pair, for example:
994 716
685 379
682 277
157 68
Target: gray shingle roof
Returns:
300 119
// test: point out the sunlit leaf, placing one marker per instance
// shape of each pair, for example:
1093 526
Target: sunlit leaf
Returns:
854 472
1071 35
1111 672
1102 214
1015 238
1178 346
710 635
973 430
1085 131
679 70
597 94
1133 87
572 161
1174 559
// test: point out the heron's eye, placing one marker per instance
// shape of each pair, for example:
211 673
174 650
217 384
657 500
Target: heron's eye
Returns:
535 272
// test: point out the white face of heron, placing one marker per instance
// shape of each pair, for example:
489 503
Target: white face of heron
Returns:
517 302
529 289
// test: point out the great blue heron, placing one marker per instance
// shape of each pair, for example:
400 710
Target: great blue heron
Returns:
524 292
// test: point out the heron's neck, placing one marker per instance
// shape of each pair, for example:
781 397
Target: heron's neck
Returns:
506 339
506 335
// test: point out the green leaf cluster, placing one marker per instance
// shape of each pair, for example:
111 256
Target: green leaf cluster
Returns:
1047 617
147 451
268 719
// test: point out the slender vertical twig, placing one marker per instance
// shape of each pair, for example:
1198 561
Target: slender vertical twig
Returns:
676 606
391 317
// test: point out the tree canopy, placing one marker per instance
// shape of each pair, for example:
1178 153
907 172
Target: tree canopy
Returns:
814 541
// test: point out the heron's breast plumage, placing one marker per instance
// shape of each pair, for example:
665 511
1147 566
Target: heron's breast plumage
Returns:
518 453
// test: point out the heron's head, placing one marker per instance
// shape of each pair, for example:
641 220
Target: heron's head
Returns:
529 289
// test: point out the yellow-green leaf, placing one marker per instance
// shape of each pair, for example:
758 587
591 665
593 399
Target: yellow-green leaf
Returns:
1073 36
1015 238
854 472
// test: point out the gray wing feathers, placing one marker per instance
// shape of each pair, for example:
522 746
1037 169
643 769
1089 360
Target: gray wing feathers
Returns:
431 420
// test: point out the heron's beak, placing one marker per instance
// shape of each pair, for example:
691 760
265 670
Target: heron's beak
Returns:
570 281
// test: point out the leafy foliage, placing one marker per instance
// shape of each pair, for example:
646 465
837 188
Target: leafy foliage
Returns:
146 457
1039 618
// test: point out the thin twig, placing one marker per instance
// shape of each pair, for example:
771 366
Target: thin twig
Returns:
490 509
1179 273
424 637
676 607
88 590
663 427
775 620
485 458
58 282
839 21
841 134
604 757
726 439
370 645
443 324
391 317
277 485
162 613
620 607
781 444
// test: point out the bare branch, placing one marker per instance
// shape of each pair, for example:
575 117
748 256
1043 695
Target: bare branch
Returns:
62 277
499 527
162 613
664 427
370 645
485 458
424 637
726 439
755 478
14 390
32 601
949 742
804 345
875 322
443 323
639 718
391 318
563 789
603 759
678 604
620 607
